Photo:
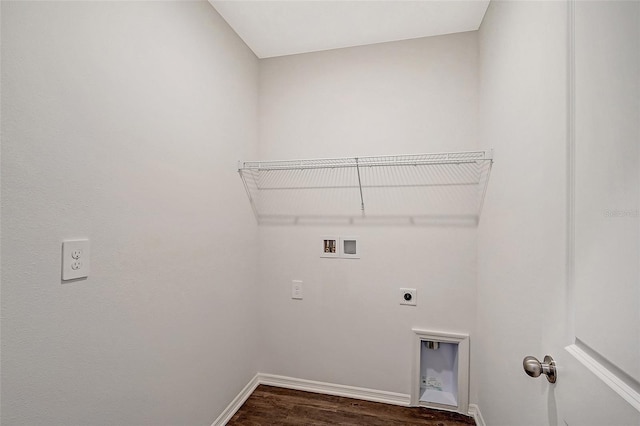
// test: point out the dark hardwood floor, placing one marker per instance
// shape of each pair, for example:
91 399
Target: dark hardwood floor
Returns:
270 405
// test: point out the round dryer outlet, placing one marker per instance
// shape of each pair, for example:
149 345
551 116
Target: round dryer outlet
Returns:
408 296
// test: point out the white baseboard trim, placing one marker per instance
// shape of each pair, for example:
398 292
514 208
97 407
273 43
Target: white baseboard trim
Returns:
365 394
237 402
335 389
474 411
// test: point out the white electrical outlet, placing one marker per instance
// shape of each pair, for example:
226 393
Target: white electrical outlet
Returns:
408 296
75 259
296 289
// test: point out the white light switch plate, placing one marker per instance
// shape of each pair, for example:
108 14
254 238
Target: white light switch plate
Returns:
75 259
296 289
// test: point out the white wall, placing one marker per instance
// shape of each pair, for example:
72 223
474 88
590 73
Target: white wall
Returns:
122 122
607 180
521 238
525 306
395 98
391 98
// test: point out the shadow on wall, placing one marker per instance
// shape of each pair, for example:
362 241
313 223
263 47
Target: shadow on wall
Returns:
461 221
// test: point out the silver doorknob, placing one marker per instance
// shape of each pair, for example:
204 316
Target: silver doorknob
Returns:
534 368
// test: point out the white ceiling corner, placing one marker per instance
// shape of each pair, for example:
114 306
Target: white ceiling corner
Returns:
285 27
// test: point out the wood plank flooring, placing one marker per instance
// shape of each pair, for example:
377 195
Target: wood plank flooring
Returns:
270 405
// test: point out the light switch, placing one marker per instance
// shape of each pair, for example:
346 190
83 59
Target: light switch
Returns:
75 259
296 289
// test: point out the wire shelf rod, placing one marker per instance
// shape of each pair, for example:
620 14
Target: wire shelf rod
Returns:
423 185
267 168
372 161
402 186
360 187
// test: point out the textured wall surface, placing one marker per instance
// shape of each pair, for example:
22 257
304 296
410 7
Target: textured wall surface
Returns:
122 122
521 239
525 304
394 98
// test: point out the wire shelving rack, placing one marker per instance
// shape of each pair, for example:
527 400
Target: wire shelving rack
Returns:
390 189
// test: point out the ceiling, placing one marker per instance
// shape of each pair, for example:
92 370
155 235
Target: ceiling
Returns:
276 28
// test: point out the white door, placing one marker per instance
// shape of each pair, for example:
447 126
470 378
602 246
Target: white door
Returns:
598 349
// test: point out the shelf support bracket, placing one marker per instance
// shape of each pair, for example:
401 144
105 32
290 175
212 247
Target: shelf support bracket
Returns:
360 187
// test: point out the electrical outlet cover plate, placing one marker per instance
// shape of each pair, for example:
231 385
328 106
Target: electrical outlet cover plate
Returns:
408 296
75 259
